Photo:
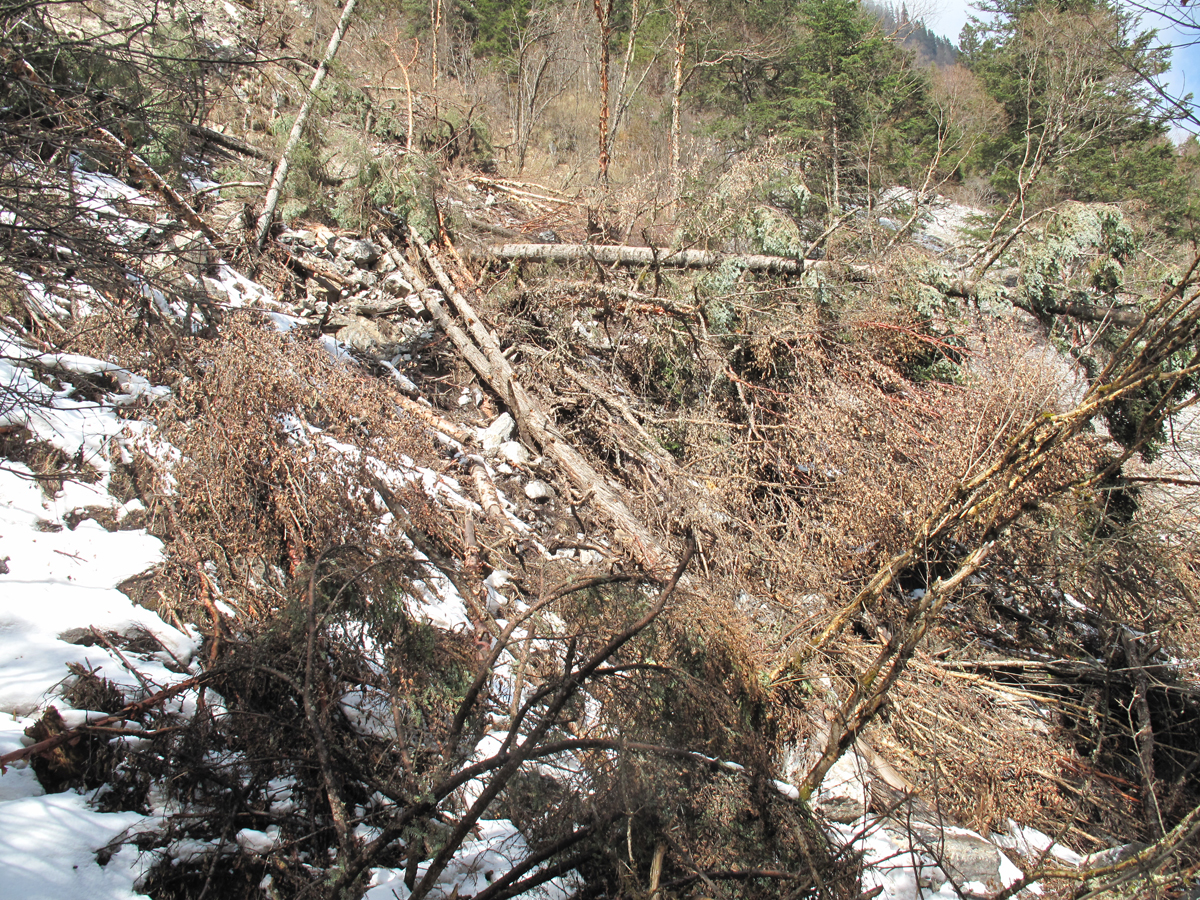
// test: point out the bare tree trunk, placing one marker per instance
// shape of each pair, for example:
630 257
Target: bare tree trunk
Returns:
652 256
676 174
835 149
435 15
281 169
604 10
625 93
408 135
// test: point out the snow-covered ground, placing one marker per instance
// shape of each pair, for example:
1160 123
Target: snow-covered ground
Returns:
58 582
60 606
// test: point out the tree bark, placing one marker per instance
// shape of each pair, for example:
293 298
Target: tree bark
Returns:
680 47
226 142
604 9
281 169
652 256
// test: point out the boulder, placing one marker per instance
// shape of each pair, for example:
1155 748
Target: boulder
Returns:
357 251
361 279
395 285
373 337
497 433
515 453
845 793
539 491
182 255
975 864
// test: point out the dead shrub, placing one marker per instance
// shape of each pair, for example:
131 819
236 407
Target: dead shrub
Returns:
276 442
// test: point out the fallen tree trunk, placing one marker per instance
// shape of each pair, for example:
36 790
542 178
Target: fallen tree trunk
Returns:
227 142
652 256
1123 316
482 351
1120 315
281 168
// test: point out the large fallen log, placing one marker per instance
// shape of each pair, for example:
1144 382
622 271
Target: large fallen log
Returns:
652 256
482 351
1122 316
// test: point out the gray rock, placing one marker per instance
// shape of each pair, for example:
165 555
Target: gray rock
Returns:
395 285
187 253
845 793
515 453
370 336
539 491
361 279
497 433
361 253
303 238
81 636
965 856
374 306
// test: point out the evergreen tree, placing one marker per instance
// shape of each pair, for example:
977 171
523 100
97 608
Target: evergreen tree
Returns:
836 79
1075 109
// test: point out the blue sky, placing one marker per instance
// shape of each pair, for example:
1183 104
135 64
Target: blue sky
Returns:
947 17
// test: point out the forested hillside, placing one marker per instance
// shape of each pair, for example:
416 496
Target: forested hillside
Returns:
519 448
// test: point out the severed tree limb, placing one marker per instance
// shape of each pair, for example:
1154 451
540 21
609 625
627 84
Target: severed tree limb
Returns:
1123 315
872 687
427 416
338 809
650 256
489 499
281 169
127 713
226 142
1144 732
142 169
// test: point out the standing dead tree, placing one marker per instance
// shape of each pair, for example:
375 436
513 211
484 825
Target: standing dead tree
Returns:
604 12
539 54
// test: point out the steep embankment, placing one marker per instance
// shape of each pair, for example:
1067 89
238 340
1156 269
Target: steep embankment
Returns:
357 567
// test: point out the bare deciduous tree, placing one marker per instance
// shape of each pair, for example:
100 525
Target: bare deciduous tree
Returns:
1071 98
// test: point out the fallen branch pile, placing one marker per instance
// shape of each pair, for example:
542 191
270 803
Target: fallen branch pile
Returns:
482 351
